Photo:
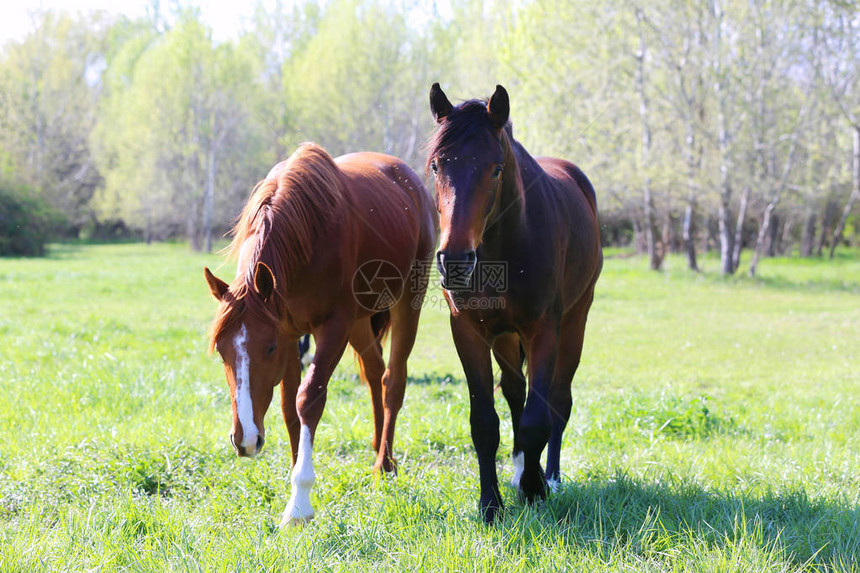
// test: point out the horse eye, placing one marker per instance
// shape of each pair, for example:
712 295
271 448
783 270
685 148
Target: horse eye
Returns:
498 171
433 167
272 349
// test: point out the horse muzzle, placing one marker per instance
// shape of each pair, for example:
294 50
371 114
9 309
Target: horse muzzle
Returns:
456 268
248 448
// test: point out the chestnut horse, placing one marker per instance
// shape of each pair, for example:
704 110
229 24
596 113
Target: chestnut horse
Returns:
519 255
316 239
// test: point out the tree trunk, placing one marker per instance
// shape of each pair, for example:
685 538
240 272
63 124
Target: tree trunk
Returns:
670 241
689 233
739 228
655 254
726 237
808 234
688 229
712 234
770 244
826 223
209 199
785 242
638 237
855 194
762 232
776 196
147 233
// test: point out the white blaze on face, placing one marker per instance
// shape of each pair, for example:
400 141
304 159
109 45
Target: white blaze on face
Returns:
299 508
519 464
244 406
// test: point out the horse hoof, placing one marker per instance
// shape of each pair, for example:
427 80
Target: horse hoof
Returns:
388 468
533 486
297 513
490 508
289 521
380 476
491 513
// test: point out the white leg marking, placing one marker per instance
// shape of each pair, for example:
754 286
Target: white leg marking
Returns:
519 464
553 485
299 508
244 406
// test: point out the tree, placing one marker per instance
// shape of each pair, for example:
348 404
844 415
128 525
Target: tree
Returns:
177 125
49 89
356 84
839 65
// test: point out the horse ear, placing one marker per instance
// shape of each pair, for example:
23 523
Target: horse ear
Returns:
439 104
216 286
499 107
264 280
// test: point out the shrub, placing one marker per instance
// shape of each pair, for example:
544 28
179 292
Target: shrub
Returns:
26 223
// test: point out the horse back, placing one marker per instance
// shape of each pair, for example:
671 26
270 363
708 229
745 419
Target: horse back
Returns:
568 177
393 213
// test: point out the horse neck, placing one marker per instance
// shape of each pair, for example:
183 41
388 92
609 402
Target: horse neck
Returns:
507 224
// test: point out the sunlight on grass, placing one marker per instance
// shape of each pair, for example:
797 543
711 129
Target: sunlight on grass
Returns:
716 427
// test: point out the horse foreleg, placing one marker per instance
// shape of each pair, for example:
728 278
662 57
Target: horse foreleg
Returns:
473 347
331 338
535 423
506 349
289 388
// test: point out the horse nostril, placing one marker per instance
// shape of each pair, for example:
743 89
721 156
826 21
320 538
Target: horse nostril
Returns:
260 442
233 441
471 260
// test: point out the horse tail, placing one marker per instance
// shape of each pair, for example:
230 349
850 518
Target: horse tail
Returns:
380 323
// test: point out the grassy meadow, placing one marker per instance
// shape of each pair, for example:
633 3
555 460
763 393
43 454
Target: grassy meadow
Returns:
715 427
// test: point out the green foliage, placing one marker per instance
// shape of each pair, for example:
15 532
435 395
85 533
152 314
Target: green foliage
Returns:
353 85
48 103
675 417
715 427
178 117
27 223
153 122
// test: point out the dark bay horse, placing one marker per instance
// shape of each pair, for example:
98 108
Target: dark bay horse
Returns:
324 246
519 255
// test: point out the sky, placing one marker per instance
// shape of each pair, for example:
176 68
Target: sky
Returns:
225 17
15 21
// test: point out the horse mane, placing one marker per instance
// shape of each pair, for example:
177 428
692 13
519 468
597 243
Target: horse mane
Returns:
285 216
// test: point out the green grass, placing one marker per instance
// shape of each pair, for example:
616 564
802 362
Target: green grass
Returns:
716 427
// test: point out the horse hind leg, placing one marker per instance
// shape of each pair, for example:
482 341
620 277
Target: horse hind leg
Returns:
509 356
371 368
404 327
536 424
571 339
